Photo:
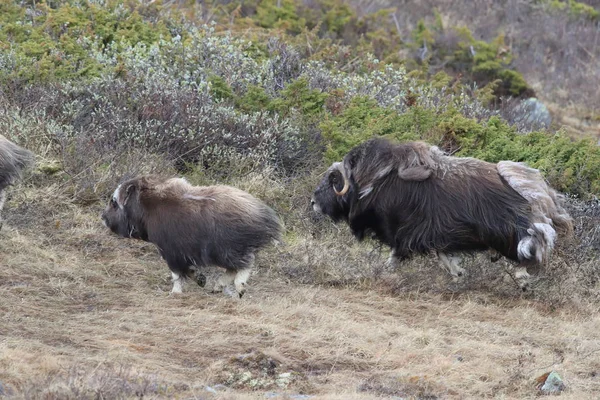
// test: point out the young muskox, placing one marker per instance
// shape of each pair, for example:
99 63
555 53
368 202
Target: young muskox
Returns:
416 199
13 160
194 226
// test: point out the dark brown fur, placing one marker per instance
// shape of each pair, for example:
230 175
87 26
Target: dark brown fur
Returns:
193 226
415 199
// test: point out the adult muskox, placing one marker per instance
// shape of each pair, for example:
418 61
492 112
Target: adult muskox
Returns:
414 198
194 226
13 160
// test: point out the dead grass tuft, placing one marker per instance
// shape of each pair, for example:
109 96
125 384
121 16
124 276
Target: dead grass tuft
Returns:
414 387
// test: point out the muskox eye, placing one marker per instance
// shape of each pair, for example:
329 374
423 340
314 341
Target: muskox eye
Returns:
113 203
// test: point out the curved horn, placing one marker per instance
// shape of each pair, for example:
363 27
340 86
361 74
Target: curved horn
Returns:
344 190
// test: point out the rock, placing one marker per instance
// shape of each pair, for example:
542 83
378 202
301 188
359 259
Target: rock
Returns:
272 395
246 376
215 389
550 383
211 390
284 379
5 390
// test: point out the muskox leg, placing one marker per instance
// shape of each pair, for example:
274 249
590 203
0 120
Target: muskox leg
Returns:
240 280
522 277
242 276
395 259
392 261
450 264
224 280
2 200
495 256
177 283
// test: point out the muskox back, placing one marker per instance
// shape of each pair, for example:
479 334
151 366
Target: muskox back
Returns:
210 225
453 212
546 203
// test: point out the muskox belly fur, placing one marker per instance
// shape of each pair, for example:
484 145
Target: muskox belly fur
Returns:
194 226
416 199
13 161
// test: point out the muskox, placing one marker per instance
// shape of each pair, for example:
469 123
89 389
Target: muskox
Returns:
194 226
13 161
416 199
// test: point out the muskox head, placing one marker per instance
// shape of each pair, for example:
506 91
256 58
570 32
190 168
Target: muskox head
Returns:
124 213
332 194
365 167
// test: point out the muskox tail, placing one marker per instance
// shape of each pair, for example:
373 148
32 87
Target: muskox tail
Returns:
13 160
546 203
537 245
272 225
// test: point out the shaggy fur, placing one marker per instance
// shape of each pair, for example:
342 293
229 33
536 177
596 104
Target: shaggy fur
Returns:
13 161
194 226
416 199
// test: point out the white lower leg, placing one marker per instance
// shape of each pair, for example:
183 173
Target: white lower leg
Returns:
240 280
522 277
521 273
2 200
224 280
392 261
177 283
450 264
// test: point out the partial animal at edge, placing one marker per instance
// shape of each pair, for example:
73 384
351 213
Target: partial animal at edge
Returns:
14 159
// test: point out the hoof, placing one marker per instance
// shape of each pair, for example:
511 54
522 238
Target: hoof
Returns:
458 273
240 289
200 279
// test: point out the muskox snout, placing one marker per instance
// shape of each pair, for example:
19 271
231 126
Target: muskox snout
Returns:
315 206
104 219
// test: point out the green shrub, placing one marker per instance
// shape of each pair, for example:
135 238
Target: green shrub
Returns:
574 8
58 42
570 166
298 96
279 14
363 119
282 102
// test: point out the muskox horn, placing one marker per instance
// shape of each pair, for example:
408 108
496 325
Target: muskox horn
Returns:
344 190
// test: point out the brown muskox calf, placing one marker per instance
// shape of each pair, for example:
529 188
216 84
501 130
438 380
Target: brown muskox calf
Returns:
414 198
194 226
13 160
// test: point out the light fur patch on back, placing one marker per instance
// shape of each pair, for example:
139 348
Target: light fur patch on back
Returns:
530 184
195 197
527 181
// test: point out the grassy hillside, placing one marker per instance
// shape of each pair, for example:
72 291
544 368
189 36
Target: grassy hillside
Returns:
264 95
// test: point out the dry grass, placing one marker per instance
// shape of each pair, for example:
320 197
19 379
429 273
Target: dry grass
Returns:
84 314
